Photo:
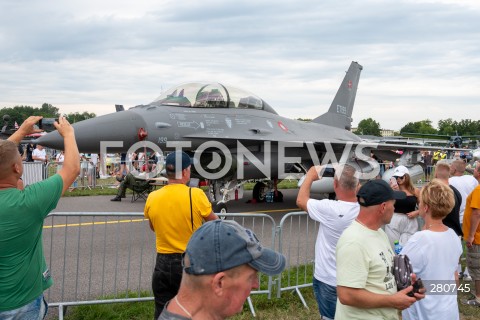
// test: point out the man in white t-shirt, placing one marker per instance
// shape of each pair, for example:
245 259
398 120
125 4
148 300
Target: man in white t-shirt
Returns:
39 154
464 183
334 217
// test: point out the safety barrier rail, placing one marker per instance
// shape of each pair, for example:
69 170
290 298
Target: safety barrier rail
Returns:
297 234
96 257
33 172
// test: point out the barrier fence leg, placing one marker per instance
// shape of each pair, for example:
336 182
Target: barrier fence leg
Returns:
60 312
301 297
250 305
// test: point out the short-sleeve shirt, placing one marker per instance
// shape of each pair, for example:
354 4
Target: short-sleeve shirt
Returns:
434 256
465 185
365 261
334 217
42 154
452 220
168 210
23 271
473 202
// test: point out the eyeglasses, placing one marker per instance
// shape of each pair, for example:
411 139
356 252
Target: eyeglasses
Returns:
398 178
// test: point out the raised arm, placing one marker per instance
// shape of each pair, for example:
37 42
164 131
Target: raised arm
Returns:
71 163
304 192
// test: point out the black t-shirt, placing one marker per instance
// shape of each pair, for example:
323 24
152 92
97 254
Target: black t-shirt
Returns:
30 149
20 149
452 220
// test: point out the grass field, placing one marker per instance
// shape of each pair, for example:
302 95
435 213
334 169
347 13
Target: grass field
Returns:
288 307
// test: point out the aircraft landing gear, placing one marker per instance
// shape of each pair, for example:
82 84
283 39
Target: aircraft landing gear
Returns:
220 192
220 208
259 192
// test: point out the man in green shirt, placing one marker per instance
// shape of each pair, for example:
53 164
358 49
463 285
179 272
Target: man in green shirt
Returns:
24 274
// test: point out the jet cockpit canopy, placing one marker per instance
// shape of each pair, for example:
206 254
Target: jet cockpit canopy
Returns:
210 95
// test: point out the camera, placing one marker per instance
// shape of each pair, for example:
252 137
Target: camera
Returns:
46 124
417 285
328 172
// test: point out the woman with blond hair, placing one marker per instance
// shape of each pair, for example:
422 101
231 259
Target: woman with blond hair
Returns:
404 221
434 254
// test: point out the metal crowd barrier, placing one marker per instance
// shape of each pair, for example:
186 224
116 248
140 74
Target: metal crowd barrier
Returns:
33 172
297 234
97 257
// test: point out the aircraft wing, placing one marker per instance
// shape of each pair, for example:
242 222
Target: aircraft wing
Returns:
425 135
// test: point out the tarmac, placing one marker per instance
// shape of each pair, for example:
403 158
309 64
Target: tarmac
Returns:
103 204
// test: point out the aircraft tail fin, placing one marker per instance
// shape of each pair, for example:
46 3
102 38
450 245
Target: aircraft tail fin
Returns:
340 113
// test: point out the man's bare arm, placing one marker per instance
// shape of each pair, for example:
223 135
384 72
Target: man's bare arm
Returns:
211 216
361 298
71 162
304 192
474 221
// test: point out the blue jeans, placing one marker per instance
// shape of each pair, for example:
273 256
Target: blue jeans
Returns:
35 310
326 296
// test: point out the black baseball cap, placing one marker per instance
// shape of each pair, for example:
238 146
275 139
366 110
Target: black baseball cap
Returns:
377 191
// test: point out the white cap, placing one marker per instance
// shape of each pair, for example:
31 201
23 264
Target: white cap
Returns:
400 171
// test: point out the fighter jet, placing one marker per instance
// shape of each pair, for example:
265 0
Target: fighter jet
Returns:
233 136
456 140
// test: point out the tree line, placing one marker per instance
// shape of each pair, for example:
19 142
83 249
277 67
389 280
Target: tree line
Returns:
20 113
464 127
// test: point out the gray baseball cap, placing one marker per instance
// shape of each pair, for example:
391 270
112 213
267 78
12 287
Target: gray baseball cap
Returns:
220 245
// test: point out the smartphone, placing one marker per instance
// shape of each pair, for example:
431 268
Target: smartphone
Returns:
393 182
46 124
328 172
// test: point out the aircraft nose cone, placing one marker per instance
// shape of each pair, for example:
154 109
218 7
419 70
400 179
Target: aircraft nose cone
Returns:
120 126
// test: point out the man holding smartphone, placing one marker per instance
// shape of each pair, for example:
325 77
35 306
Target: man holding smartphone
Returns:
334 217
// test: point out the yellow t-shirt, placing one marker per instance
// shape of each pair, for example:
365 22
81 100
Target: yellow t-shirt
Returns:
473 201
168 209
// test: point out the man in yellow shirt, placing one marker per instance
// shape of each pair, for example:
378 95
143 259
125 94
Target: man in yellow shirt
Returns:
174 212
471 234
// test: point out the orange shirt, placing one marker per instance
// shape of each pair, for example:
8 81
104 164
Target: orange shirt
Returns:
473 202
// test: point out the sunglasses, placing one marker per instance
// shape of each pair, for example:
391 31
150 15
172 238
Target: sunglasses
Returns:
396 177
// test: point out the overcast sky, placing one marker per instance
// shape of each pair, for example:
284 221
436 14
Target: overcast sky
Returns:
421 58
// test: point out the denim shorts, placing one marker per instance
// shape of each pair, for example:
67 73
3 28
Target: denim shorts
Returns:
326 297
35 310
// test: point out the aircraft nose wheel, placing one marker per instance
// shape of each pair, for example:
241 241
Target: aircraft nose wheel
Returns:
259 191
220 209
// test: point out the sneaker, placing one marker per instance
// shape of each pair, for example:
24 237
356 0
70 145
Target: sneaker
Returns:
467 277
117 198
472 302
